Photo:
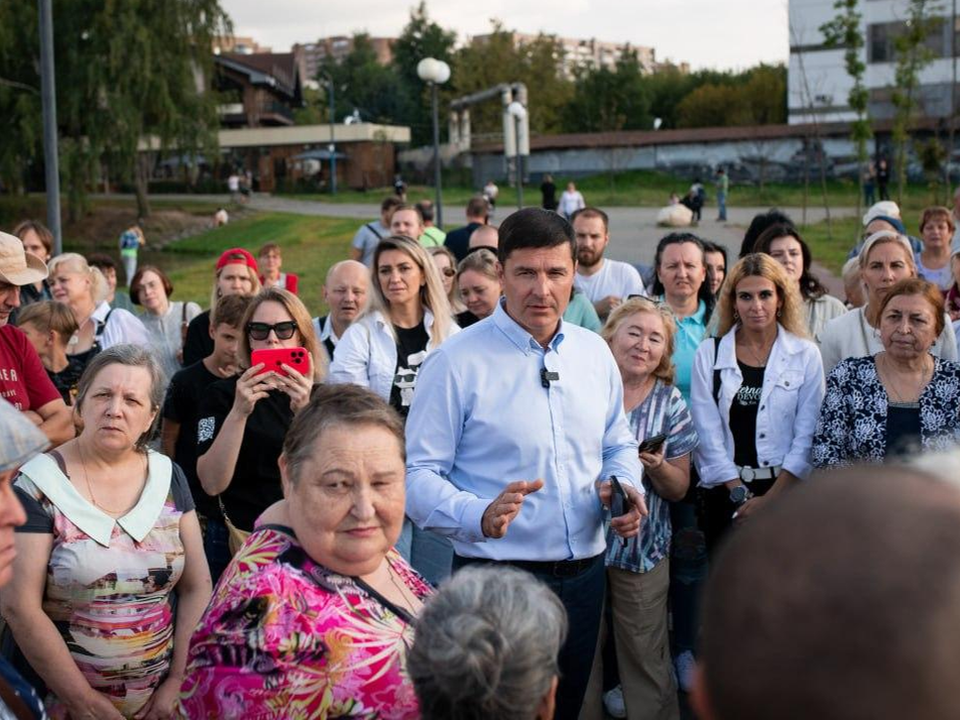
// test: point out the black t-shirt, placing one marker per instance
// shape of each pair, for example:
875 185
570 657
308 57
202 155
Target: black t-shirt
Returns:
459 240
466 319
743 416
198 343
67 380
255 485
411 350
182 405
903 429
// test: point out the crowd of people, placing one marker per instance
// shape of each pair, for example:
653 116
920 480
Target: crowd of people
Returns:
488 483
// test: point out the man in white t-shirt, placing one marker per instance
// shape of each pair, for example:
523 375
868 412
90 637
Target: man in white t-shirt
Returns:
606 283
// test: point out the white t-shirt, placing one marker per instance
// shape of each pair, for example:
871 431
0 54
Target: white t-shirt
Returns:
615 278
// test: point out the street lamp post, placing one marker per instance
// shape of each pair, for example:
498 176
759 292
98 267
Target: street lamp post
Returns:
435 72
518 112
333 143
48 95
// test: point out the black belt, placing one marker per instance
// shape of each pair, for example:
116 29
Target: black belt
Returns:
558 568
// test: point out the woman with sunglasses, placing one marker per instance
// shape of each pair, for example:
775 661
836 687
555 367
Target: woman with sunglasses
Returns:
407 318
243 419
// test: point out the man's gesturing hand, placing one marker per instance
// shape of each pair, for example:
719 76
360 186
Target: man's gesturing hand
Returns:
501 512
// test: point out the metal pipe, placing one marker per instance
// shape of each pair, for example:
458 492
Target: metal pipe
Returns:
49 99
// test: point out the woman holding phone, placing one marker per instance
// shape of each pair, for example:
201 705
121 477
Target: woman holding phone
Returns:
243 419
641 336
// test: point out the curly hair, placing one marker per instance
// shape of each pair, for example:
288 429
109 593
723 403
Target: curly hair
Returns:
791 315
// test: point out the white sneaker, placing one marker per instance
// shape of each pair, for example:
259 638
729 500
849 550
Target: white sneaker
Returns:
613 702
685 664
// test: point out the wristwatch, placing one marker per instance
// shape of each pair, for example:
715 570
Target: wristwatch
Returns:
740 494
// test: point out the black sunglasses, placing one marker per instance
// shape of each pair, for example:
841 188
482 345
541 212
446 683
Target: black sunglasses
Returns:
449 272
261 331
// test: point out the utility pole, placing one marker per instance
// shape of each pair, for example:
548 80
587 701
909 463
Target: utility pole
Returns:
48 92
333 141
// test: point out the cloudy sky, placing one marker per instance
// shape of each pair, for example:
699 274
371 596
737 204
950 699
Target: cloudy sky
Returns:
706 33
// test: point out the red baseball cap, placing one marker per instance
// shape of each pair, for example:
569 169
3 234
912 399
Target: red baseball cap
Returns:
237 255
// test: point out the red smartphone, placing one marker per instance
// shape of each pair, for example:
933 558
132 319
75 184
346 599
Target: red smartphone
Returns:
274 358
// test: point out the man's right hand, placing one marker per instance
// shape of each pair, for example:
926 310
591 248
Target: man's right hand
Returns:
506 506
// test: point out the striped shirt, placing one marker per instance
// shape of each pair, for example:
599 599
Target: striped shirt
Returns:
663 411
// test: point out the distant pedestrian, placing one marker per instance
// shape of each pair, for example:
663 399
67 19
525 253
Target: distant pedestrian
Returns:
400 188
233 185
370 235
548 190
869 184
571 201
723 186
131 240
490 193
883 178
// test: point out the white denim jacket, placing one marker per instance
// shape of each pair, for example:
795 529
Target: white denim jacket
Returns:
367 353
790 400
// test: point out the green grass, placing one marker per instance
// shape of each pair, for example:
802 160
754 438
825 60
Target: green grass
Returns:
310 246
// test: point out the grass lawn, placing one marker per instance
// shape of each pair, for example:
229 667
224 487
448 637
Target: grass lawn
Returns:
310 246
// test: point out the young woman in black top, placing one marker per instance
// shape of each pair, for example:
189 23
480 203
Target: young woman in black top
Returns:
243 419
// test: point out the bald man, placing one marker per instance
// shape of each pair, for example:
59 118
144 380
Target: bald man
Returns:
838 602
485 236
345 292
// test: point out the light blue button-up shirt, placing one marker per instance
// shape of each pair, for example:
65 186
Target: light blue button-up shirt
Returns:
481 419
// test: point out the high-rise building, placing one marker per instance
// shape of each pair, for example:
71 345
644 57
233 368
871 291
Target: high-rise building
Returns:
338 47
239 45
581 53
818 83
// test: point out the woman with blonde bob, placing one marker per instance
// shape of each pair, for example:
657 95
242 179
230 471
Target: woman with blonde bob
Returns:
759 382
641 336
243 419
408 316
886 258
479 286
84 289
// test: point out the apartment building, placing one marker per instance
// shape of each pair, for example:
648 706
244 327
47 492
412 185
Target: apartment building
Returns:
311 55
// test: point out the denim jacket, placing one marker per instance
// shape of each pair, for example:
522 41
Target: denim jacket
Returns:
786 416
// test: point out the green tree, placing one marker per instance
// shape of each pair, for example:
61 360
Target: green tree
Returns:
913 55
421 38
844 31
362 83
609 100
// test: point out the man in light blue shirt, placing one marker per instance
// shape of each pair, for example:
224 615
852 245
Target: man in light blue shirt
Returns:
514 422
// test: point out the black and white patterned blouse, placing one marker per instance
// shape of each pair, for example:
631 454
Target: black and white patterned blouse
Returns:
853 418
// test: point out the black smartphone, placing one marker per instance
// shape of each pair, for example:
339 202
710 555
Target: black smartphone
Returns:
619 502
652 444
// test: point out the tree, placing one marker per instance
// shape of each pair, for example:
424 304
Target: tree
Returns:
757 96
844 31
609 100
362 83
125 70
421 38
913 55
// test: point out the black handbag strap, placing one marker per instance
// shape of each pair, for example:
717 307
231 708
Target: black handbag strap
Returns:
716 371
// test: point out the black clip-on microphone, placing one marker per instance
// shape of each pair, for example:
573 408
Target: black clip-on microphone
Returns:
547 377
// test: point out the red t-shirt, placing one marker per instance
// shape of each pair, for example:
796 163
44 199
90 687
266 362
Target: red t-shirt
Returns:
23 381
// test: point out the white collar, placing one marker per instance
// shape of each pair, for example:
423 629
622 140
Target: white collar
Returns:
46 475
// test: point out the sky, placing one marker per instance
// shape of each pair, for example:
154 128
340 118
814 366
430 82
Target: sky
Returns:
719 34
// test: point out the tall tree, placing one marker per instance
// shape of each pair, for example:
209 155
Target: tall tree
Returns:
421 38
844 31
913 55
362 83
607 99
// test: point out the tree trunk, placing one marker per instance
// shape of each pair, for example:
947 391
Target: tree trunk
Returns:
141 187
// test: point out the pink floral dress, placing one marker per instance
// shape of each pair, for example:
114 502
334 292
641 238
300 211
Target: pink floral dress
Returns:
283 637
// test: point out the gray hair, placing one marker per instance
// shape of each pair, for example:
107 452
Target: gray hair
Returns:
334 406
486 646
886 236
131 356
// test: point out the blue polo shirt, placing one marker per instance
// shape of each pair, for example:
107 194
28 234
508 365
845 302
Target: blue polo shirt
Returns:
690 333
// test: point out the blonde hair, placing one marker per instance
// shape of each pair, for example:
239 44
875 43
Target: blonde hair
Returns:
453 297
99 289
481 261
791 315
215 293
432 294
666 370
882 237
299 314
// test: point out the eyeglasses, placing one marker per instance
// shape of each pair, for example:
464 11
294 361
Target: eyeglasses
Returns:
449 272
261 331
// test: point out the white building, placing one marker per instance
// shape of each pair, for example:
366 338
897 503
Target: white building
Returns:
818 82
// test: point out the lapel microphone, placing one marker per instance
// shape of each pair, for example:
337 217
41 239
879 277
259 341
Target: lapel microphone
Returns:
547 377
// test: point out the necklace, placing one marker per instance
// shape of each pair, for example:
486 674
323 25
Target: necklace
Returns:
409 600
889 384
86 479
761 361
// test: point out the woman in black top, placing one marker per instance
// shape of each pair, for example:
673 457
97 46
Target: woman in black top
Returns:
479 286
49 326
243 419
549 192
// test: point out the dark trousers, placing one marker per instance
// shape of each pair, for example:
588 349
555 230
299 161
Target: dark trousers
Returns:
718 511
216 546
582 597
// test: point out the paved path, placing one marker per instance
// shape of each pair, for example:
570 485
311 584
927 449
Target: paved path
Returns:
633 230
